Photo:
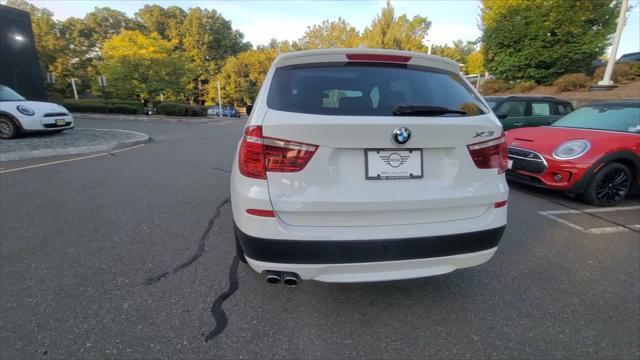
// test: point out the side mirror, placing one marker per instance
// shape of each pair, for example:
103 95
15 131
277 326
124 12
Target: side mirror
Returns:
501 116
248 109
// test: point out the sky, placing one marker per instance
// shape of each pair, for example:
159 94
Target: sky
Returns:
262 20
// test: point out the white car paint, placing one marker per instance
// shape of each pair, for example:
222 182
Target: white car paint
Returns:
44 118
330 199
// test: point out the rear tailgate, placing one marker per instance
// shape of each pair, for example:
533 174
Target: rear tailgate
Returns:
347 109
332 190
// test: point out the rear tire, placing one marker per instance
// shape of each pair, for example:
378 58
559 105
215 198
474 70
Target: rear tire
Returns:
8 130
610 185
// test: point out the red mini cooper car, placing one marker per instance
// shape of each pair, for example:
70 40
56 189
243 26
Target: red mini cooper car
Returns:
594 152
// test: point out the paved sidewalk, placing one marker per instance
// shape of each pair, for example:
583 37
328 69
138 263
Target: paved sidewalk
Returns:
69 142
159 118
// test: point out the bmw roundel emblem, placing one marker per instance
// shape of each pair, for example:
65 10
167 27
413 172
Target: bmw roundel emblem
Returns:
401 135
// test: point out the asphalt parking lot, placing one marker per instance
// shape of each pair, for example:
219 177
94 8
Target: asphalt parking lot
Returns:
131 255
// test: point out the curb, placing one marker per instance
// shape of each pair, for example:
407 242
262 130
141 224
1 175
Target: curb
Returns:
141 138
152 118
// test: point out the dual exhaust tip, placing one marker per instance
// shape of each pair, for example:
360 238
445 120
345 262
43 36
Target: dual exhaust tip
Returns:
288 278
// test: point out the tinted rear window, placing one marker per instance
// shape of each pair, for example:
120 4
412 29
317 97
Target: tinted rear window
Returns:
367 89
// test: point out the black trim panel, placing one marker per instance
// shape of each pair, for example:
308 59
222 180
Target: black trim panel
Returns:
360 251
525 179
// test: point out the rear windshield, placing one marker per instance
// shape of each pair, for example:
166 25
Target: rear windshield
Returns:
368 89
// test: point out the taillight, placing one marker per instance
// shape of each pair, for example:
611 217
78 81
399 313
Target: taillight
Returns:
491 154
259 154
251 155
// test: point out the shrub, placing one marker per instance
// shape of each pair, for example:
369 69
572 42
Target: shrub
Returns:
55 98
621 72
138 105
85 106
174 109
571 82
524 86
98 105
197 110
122 109
492 86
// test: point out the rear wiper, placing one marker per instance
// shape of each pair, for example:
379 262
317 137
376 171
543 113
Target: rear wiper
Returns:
424 110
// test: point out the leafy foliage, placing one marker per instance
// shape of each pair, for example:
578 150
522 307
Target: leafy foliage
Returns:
493 86
208 39
621 72
458 51
475 63
524 86
166 22
123 109
390 32
570 82
331 34
447 51
100 106
180 109
143 66
537 40
241 76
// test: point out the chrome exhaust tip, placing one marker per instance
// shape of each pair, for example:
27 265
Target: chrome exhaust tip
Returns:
290 279
273 277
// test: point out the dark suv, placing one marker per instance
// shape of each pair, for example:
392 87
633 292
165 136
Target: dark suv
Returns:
525 111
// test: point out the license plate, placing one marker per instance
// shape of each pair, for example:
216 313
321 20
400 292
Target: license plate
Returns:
509 164
393 164
60 122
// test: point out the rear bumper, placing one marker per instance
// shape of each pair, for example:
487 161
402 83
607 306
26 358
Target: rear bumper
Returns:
361 251
378 271
371 260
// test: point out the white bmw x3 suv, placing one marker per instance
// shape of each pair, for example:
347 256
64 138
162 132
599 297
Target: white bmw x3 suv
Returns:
19 115
365 165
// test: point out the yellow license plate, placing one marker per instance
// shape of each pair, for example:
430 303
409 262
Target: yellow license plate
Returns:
60 122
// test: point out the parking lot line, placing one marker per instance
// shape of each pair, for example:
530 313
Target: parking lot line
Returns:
69 160
571 211
552 214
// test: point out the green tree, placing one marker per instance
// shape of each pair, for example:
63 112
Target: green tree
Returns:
331 34
242 76
282 46
104 23
448 52
464 48
209 39
140 66
542 39
475 63
390 32
166 22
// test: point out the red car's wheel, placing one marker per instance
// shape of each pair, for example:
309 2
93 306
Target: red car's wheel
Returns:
610 185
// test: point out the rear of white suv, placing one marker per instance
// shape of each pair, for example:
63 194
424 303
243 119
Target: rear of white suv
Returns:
367 165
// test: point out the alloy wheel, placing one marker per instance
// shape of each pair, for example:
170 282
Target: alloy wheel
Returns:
613 186
6 129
